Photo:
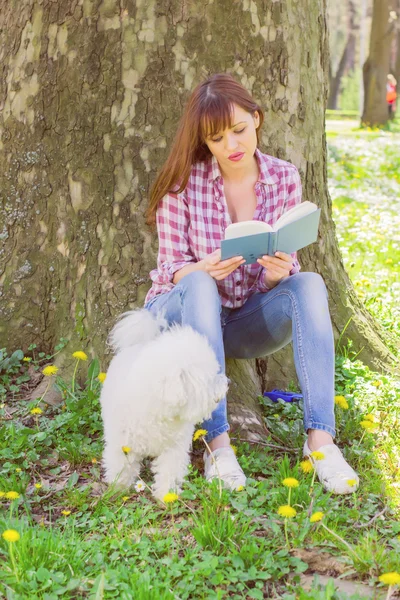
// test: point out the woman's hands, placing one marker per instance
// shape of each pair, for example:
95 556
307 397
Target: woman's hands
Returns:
219 269
278 267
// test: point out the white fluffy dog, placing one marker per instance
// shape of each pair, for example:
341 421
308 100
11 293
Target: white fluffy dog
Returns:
161 382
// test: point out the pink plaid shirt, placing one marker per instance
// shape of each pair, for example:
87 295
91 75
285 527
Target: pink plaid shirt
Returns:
191 225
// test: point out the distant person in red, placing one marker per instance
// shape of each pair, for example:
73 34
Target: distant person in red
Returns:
391 95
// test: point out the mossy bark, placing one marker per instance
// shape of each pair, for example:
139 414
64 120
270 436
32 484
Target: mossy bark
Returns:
90 95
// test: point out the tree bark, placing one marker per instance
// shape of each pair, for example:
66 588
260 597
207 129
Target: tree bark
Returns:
90 96
377 65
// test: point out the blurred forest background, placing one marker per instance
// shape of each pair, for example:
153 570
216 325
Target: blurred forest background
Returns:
364 50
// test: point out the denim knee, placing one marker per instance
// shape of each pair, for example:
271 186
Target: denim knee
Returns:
201 284
309 282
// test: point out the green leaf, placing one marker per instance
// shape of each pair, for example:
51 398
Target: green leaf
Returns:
73 479
255 593
42 574
94 370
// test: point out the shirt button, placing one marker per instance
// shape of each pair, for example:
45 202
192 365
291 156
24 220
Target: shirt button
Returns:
238 299
238 282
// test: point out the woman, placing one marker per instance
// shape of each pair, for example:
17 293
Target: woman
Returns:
214 175
391 95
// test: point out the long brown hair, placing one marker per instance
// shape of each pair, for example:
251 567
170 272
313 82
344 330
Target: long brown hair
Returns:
208 111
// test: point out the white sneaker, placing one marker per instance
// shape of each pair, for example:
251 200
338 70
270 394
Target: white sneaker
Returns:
333 471
222 463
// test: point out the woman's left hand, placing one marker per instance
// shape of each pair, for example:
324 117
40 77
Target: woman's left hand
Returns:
278 267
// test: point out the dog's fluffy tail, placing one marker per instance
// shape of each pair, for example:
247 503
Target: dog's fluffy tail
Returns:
137 326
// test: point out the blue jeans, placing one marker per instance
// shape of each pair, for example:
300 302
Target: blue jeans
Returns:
295 310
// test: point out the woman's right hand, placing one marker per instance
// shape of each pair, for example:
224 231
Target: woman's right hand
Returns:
219 269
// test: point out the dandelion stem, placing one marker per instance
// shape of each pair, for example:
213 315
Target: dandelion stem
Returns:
173 526
362 437
73 377
216 468
389 592
13 561
290 489
342 540
286 534
45 392
313 479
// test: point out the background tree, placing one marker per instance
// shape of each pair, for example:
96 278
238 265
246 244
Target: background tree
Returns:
90 95
377 65
347 59
396 49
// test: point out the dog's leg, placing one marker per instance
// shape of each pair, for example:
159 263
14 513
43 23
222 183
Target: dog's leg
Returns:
120 469
170 467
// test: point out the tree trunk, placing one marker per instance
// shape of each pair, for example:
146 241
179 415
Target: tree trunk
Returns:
377 65
90 95
346 58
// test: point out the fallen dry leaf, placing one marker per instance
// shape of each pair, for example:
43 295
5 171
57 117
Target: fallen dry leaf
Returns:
320 562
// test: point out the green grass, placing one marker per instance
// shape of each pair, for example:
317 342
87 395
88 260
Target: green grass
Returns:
124 545
364 183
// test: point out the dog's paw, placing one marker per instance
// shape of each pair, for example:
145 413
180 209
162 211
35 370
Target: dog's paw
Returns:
160 493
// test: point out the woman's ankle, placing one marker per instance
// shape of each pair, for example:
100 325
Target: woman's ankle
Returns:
318 438
221 441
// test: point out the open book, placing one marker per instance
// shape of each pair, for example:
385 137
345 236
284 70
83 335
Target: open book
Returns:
295 229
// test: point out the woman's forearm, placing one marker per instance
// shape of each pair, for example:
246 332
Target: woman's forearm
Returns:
197 266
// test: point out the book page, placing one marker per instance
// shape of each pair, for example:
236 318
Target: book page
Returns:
295 213
243 228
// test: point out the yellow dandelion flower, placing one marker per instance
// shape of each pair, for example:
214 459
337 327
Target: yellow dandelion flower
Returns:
377 383
317 455
234 448
12 495
170 497
2 494
50 370
199 433
342 402
18 470
369 417
287 511
94 461
368 425
36 411
389 261
10 535
317 516
65 513
101 377
290 482
80 355
306 466
125 498
240 488
126 449
38 486
390 578
27 359
351 482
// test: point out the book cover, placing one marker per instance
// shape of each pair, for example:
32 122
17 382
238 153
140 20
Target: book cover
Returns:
288 239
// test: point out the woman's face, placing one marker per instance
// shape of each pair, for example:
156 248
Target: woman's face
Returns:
241 139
